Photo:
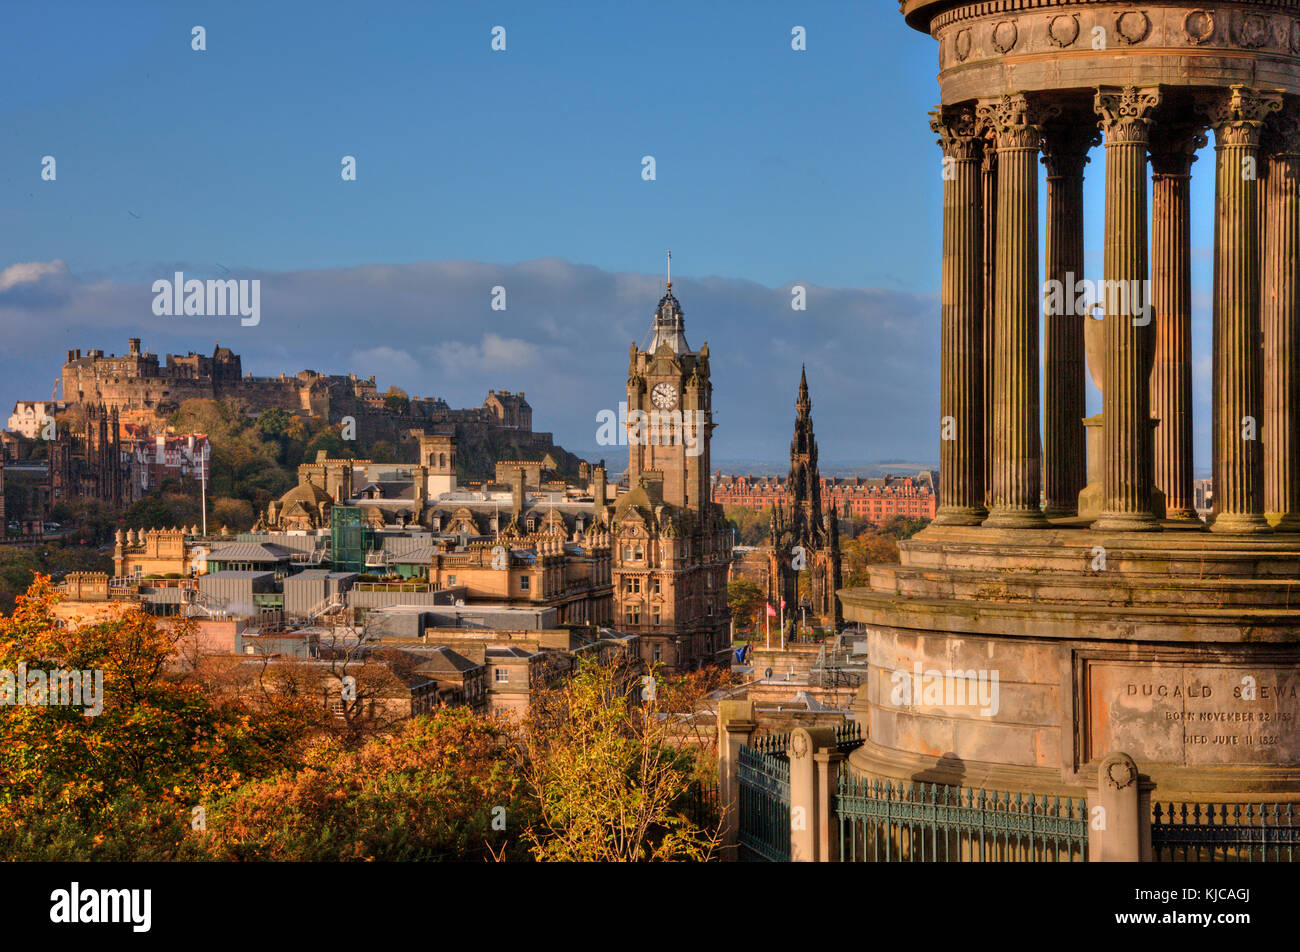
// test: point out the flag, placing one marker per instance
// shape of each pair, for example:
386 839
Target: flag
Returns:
771 612
782 606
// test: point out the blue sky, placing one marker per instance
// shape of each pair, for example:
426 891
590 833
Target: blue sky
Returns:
773 167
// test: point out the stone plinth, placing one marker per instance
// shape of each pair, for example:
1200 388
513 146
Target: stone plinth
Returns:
1179 647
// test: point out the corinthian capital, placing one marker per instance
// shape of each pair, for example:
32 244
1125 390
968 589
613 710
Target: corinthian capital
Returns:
1016 121
1125 112
1174 146
958 131
1282 132
1066 143
1237 114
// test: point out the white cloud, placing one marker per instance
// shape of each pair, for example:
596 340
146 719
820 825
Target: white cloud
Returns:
28 272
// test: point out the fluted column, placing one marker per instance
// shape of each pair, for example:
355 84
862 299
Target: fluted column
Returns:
1237 117
1065 455
1016 124
989 180
1130 346
1173 150
961 399
1280 317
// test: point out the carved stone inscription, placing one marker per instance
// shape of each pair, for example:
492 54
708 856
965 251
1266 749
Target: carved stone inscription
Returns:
1195 714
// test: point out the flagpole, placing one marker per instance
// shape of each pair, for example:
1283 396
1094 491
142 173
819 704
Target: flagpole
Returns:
767 623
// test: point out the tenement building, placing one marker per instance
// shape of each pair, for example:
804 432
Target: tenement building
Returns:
875 498
1067 571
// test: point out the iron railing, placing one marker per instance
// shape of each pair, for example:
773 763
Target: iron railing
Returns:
1225 832
764 792
700 804
893 821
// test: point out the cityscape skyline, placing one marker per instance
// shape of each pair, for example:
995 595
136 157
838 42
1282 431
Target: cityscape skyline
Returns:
563 218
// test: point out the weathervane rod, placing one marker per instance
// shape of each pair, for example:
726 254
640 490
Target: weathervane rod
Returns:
670 267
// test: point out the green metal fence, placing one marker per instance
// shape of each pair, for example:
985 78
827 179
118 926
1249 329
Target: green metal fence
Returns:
700 804
888 821
763 776
1225 832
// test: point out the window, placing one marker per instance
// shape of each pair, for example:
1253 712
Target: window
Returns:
654 585
451 580
632 586
633 614
502 675
524 583
654 615
658 653
638 553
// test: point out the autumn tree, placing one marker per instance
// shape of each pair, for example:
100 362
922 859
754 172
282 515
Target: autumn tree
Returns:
122 783
609 784
445 786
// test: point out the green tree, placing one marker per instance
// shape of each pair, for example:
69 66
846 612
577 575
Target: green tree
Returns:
609 785
744 597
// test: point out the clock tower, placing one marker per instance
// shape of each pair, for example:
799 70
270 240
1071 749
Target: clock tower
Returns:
670 410
672 545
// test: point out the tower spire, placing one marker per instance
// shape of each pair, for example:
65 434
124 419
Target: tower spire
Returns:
670 269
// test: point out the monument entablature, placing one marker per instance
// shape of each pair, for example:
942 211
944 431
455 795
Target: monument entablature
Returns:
989 49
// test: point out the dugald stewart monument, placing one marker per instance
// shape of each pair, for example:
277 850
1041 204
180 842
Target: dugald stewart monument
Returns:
1103 622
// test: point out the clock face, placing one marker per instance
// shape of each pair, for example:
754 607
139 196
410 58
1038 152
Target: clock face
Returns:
664 396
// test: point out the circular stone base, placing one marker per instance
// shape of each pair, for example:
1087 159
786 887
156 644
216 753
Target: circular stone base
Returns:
1019 659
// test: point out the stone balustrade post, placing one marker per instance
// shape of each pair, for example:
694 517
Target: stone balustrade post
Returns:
811 792
736 725
1115 824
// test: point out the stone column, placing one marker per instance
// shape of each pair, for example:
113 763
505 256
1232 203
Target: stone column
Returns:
1064 453
989 182
1237 117
736 724
1016 124
1173 150
961 396
1280 317
1126 395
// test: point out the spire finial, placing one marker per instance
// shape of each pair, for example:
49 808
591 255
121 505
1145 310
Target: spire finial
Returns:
670 268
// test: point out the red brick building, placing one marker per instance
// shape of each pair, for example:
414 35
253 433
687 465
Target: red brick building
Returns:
873 499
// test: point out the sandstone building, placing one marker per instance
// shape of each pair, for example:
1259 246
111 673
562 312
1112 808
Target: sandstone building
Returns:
671 543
